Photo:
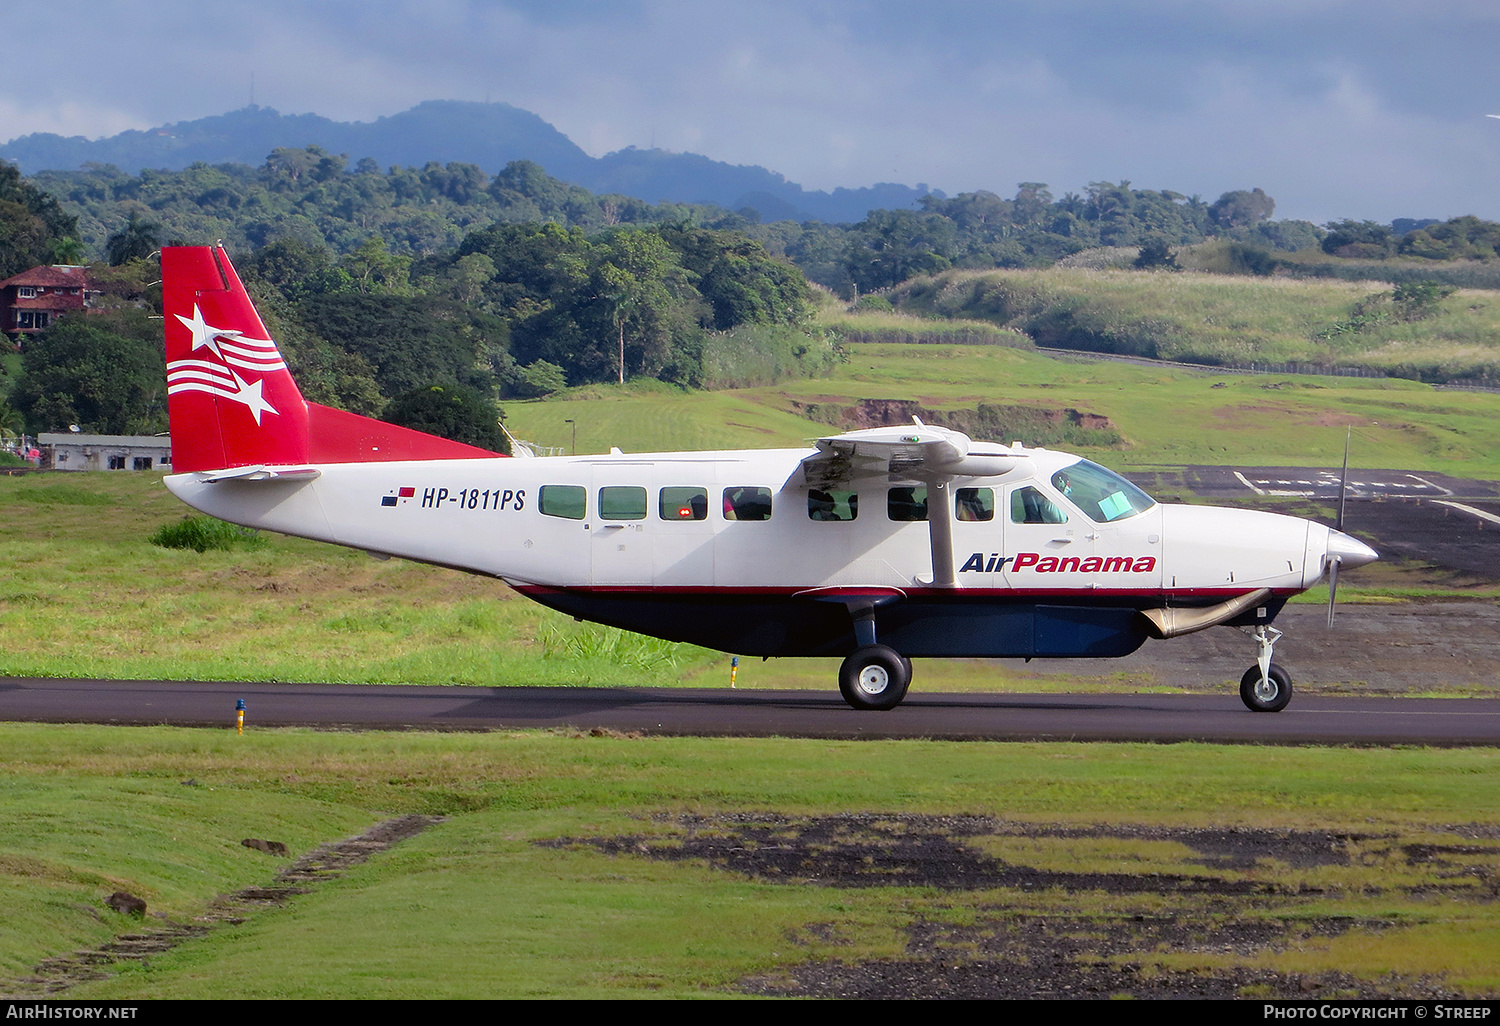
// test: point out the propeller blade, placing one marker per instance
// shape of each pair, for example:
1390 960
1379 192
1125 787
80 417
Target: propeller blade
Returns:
1333 584
1344 482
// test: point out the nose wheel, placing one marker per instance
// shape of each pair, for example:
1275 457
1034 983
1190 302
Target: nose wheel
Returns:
1266 686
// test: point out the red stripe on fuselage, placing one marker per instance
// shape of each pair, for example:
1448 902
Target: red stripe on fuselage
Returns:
812 594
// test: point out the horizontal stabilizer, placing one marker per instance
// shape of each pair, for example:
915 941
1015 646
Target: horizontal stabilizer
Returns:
262 474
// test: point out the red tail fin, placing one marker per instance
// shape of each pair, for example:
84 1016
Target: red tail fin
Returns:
231 400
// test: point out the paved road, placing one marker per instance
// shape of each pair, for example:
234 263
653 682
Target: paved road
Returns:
721 712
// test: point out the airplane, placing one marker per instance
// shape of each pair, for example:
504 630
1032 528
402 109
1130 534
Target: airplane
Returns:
875 545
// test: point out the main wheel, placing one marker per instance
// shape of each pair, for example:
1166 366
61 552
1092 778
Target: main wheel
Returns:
874 677
1270 694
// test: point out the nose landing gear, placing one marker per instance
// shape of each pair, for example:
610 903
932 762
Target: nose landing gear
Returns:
1266 686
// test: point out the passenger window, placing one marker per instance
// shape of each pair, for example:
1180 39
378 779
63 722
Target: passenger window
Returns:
975 504
567 501
683 504
823 505
622 502
906 504
1029 506
747 503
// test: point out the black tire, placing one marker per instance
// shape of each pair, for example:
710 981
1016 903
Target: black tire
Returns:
1272 699
874 677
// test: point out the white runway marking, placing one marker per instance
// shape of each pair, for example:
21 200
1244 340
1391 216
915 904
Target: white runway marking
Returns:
1481 514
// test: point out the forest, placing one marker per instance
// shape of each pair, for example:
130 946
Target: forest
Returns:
382 285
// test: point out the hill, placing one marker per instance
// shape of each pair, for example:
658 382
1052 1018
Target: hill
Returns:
489 135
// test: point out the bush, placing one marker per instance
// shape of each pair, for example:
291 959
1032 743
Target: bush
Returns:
203 533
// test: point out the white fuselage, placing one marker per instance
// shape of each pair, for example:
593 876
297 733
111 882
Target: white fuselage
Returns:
486 515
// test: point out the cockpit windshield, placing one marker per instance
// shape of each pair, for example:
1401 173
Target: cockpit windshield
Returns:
1103 495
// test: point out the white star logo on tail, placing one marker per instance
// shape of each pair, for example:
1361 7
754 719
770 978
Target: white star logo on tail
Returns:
203 334
249 394
229 349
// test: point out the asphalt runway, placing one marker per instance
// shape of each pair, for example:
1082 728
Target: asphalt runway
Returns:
712 712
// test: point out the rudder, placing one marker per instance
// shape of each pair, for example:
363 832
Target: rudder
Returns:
230 398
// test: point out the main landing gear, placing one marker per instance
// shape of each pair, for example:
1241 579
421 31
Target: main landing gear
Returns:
874 677
1266 686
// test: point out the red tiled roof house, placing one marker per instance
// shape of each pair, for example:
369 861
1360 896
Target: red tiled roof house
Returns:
32 300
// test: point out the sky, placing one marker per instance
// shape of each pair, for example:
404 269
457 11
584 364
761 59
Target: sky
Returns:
1363 109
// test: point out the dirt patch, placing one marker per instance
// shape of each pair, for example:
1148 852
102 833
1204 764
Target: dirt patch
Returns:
909 850
1219 924
1046 962
1034 425
57 974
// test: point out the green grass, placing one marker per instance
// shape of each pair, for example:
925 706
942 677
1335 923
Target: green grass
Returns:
1168 416
1218 319
474 908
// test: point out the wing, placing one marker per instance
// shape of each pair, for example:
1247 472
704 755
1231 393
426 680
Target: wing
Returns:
914 451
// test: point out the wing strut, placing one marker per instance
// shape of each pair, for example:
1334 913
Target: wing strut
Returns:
940 532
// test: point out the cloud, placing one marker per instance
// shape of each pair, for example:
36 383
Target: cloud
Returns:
1337 108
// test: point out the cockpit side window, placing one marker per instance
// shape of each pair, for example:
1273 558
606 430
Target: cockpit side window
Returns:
1101 494
1029 506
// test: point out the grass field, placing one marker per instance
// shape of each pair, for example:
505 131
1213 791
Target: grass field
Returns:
1168 416
1219 319
477 907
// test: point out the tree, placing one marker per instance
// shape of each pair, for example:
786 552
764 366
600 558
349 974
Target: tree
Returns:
107 381
454 412
376 269
1241 209
890 246
1359 239
30 222
136 241
540 378
1156 254
409 341
630 280
1416 300
1031 202
67 250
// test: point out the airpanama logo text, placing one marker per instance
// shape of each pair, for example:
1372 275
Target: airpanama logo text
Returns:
232 352
1041 564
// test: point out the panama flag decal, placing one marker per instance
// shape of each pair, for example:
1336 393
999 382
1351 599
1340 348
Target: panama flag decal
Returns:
404 493
216 370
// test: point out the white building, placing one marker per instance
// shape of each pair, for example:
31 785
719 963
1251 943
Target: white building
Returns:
68 451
